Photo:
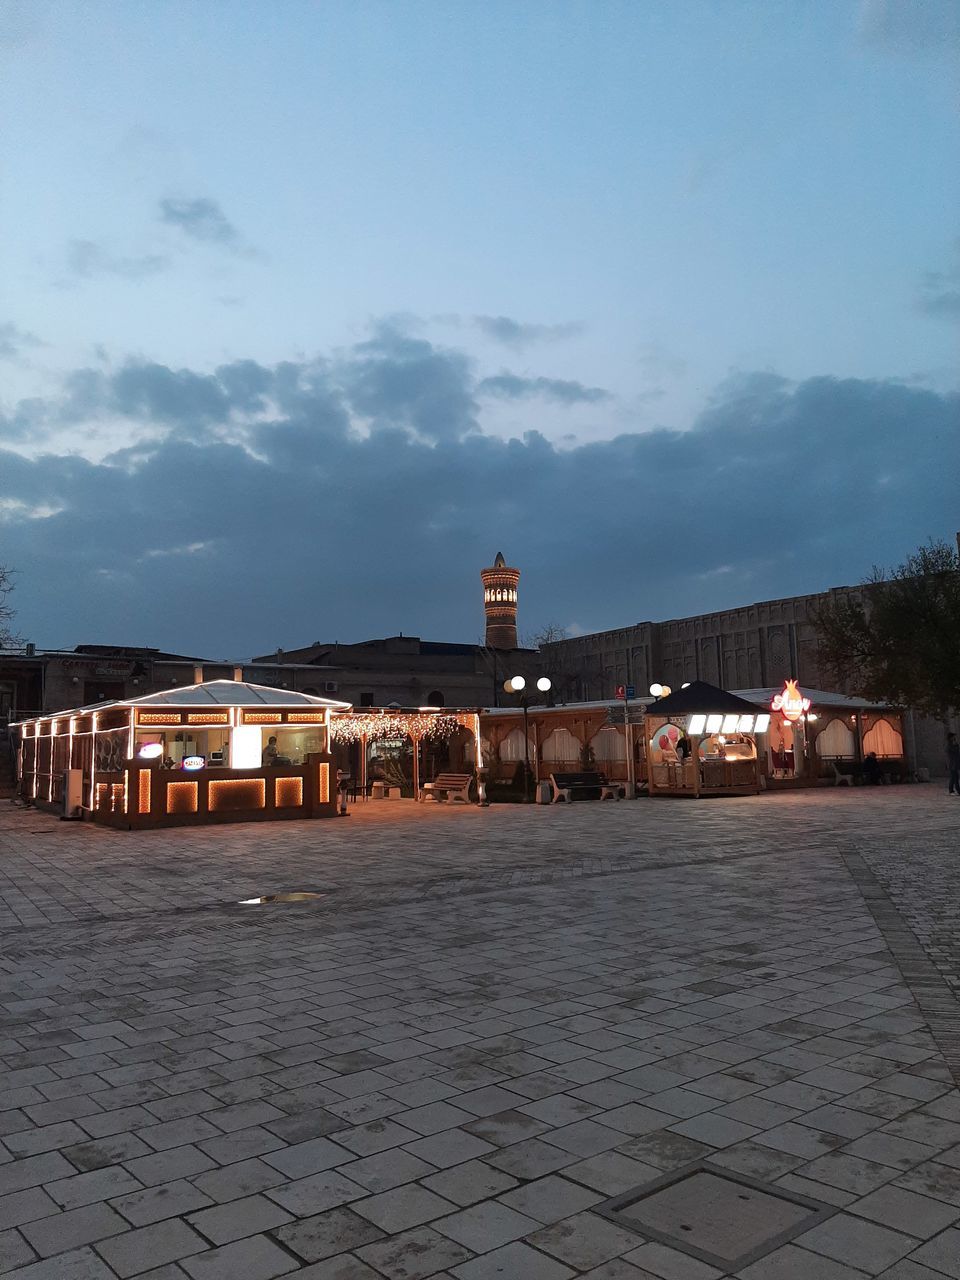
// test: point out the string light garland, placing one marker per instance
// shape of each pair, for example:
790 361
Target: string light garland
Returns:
381 725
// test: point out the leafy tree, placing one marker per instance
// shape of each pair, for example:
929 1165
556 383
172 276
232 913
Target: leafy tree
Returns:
897 640
7 613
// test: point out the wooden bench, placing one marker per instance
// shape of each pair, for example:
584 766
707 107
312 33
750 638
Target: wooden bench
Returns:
448 787
840 779
584 786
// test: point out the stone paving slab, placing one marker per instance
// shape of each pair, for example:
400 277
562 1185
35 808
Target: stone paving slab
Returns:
495 1020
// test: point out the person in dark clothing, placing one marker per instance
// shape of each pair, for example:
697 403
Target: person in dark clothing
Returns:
953 764
871 770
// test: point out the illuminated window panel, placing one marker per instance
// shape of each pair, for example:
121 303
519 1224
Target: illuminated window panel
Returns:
713 723
306 717
261 717
745 725
101 793
158 717
323 781
209 717
237 793
117 797
143 791
697 724
730 722
288 793
182 797
762 724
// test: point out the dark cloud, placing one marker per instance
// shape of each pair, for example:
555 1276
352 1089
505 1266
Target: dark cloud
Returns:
200 219
514 333
940 290
911 26
86 259
14 341
176 397
395 380
510 386
302 526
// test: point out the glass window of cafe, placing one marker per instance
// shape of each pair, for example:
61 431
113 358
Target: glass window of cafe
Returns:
729 735
177 744
722 736
294 743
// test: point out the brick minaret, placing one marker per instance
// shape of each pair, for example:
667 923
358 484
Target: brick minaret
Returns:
500 604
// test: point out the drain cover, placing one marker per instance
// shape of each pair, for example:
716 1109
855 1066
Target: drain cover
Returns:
716 1216
271 898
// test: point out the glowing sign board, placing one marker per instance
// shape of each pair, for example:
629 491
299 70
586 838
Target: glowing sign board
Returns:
790 702
193 762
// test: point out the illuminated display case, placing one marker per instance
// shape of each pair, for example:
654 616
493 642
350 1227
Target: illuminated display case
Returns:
220 751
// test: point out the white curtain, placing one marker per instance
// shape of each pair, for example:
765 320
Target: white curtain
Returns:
470 748
562 747
884 739
511 748
836 742
609 745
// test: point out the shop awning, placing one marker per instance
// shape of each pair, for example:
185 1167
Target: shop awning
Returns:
233 693
698 696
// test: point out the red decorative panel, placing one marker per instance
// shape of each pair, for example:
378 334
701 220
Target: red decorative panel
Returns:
288 793
237 793
182 797
143 789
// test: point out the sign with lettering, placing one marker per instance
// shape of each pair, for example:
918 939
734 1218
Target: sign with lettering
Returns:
790 702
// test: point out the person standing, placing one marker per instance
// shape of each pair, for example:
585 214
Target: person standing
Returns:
953 764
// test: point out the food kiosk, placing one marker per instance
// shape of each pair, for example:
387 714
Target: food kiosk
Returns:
217 751
702 741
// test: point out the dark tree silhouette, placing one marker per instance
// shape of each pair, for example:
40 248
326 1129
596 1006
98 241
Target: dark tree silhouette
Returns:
898 640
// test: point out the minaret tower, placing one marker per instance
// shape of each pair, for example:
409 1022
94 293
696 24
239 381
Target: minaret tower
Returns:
500 604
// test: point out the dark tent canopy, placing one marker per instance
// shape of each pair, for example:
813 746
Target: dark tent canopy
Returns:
700 696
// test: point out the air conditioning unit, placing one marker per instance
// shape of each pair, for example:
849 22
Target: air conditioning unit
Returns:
72 792
331 687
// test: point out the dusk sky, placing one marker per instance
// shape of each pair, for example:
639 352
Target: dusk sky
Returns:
308 309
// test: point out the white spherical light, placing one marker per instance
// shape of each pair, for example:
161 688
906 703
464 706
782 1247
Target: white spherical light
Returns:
544 684
656 690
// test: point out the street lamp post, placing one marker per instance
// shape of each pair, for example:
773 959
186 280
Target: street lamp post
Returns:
516 686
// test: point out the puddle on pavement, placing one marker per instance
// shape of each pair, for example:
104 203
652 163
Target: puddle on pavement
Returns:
270 899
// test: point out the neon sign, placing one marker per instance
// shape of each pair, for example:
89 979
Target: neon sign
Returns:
790 702
193 762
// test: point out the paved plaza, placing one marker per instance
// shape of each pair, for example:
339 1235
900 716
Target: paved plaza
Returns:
491 1025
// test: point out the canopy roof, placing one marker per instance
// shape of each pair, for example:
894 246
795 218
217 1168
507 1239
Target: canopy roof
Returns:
702 697
211 693
233 693
818 698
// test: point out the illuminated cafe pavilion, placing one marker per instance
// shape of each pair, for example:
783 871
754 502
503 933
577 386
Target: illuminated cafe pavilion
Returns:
218 751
